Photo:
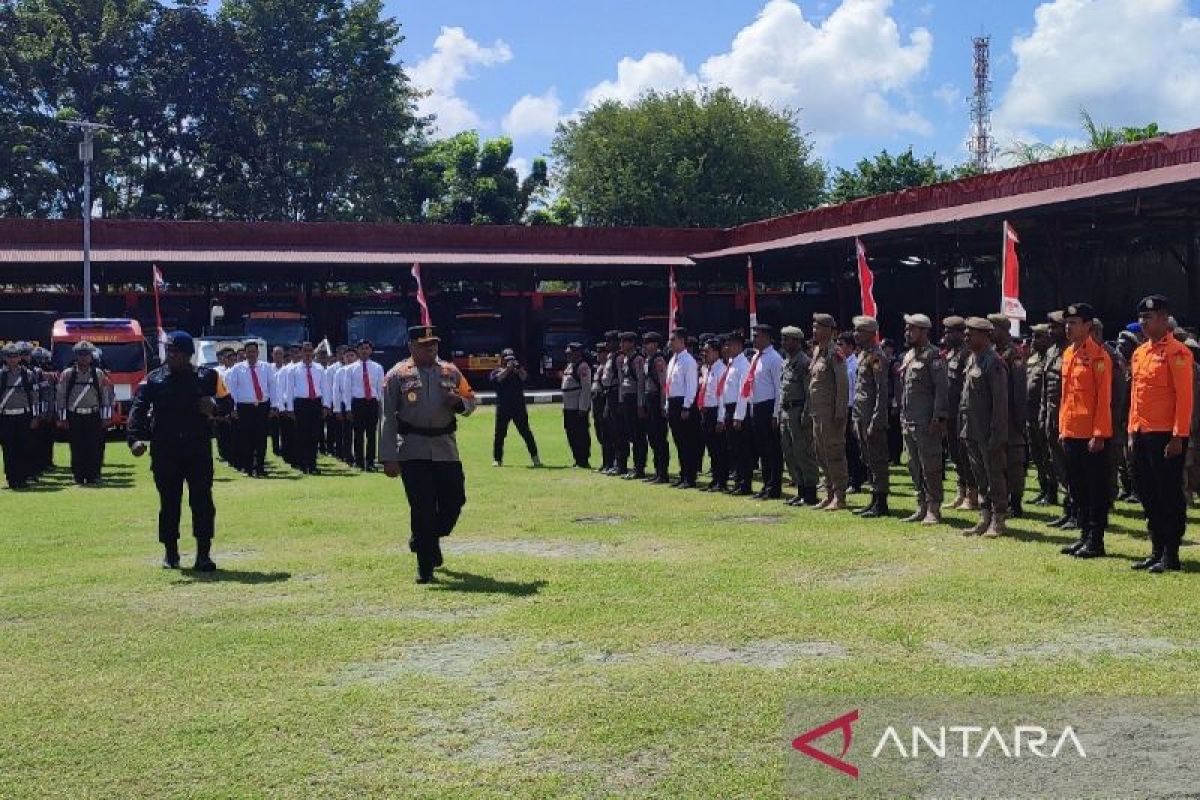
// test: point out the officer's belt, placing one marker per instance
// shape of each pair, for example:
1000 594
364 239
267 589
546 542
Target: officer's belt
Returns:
85 411
12 412
405 429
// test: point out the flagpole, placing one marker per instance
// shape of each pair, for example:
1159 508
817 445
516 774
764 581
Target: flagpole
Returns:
156 279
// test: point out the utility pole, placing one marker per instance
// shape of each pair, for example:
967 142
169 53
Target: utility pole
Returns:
981 143
85 155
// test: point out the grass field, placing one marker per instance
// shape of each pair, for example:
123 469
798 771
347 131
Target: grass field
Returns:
589 637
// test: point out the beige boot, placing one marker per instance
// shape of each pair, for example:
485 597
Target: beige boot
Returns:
997 528
839 502
919 514
958 500
985 522
933 516
972 501
824 504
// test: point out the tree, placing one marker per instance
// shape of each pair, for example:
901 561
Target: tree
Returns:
471 183
685 159
1098 137
885 173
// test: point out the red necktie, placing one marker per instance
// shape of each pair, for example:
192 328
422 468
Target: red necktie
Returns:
748 386
700 393
366 382
257 388
721 385
312 390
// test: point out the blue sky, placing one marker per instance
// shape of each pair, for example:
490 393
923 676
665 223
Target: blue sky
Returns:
866 74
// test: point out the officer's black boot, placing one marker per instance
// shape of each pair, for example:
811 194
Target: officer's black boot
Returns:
866 510
1168 562
1074 547
437 553
1068 513
204 562
878 508
1014 507
425 565
808 495
171 555
1040 497
1156 554
1093 545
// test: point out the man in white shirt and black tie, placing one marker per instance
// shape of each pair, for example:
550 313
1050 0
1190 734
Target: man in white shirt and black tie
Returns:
302 400
759 403
361 383
683 383
250 384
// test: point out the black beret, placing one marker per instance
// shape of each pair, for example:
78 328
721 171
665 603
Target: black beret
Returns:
1155 302
1082 310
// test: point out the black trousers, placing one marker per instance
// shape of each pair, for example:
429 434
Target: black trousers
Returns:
16 439
518 416
307 432
436 493
333 435
366 430
346 441
223 428
716 445
175 463
287 438
614 431
85 434
656 435
686 434
251 435
274 426
855 465
1087 474
579 438
741 448
1159 483
599 410
44 442
767 447
634 426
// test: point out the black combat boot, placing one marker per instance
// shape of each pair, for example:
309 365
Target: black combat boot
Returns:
1014 507
808 496
1093 546
1074 547
171 555
1169 561
204 562
1068 513
878 507
866 510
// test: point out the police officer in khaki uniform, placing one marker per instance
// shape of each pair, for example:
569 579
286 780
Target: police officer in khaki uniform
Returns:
1051 400
1039 448
577 402
983 426
421 396
955 354
795 425
828 390
924 395
1018 388
85 398
871 413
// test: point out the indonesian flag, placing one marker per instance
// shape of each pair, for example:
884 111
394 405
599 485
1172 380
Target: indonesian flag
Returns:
1010 279
673 310
416 273
750 285
866 281
159 284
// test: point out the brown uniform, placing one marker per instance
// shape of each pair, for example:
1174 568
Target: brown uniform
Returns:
983 426
828 388
923 400
871 415
956 371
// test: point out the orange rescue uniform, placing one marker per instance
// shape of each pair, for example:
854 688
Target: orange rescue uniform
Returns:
1161 394
1085 411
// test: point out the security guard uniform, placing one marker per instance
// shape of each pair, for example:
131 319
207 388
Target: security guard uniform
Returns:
18 417
795 424
84 403
1039 448
956 371
577 403
1018 387
653 402
420 404
632 376
924 394
1051 398
828 388
871 417
983 427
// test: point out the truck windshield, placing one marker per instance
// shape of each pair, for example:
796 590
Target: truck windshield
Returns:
277 331
114 356
383 330
478 343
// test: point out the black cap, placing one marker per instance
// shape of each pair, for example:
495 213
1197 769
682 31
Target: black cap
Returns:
713 342
1155 302
628 336
737 335
423 334
612 336
652 336
765 329
1082 310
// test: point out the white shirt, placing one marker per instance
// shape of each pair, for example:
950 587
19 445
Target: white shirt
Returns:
277 385
767 382
240 383
295 383
710 380
682 378
352 382
329 384
738 367
852 374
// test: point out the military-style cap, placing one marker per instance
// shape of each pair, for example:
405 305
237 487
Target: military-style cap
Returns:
652 337
1082 310
612 336
83 346
791 332
602 345
918 321
764 329
954 322
10 349
1055 317
866 324
41 353
628 336
825 321
1041 328
507 353
181 341
714 342
737 335
1155 302
25 348
998 320
423 334
980 324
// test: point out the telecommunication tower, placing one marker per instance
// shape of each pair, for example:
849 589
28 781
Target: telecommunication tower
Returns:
981 144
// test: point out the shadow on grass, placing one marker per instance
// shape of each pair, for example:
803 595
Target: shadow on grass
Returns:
470 582
231 576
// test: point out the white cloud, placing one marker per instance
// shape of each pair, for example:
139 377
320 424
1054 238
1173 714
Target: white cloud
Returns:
655 71
521 165
950 95
456 57
1126 63
533 115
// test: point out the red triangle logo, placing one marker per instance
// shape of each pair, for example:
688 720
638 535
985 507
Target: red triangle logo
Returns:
844 723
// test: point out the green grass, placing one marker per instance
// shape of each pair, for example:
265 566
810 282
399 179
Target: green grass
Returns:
648 655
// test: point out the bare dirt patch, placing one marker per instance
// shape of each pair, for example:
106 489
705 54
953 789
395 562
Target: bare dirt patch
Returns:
1068 647
375 612
459 658
540 548
755 519
600 520
767 654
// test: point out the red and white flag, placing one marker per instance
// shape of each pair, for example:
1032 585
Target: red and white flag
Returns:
416 273
1010 279
159 284
866 281
753 300
673 310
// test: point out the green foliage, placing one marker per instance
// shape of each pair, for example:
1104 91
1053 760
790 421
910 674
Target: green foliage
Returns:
470 182
685 159
1098 137
887 173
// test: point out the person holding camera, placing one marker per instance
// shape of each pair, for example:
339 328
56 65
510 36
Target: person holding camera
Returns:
509 379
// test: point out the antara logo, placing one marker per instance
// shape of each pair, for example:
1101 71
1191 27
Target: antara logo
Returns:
948 741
